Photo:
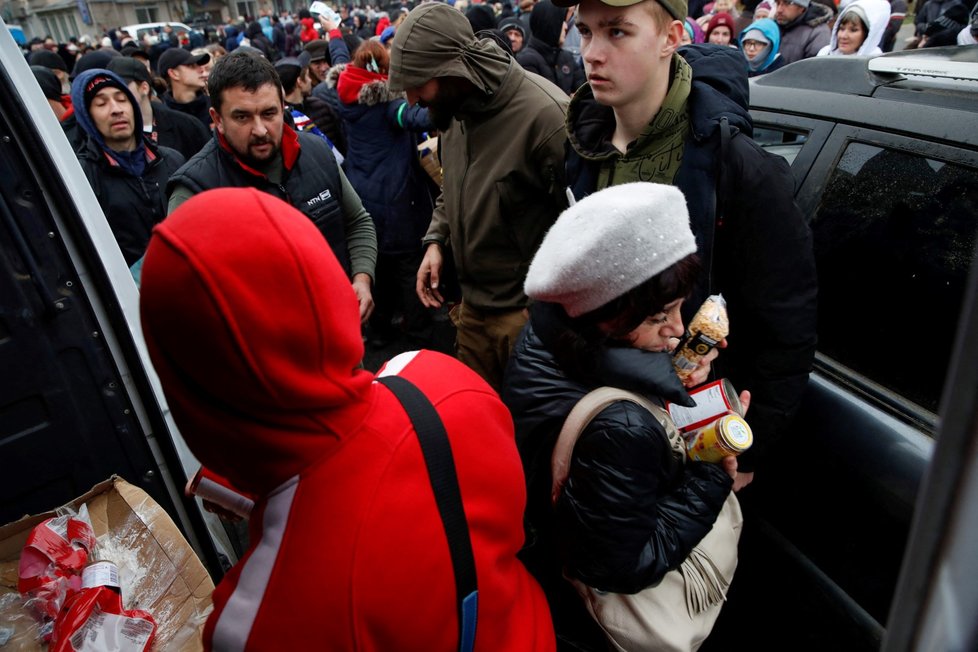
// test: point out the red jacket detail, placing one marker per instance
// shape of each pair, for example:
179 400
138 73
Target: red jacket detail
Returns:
256 339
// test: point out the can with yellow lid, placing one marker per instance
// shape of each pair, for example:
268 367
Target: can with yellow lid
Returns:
728 435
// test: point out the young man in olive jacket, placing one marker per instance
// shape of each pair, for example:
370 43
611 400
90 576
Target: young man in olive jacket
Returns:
649 113
502 153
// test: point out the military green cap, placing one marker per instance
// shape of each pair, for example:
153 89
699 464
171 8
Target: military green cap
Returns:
676 8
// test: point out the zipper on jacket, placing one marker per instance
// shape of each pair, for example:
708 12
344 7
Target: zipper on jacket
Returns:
465 173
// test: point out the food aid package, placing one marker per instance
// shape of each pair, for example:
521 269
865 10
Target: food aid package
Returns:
706 329
94 620
51 563
157 595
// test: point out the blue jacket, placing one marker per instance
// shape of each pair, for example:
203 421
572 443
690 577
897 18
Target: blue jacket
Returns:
382 165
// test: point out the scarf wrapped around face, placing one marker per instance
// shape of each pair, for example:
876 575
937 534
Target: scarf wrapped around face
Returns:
437 41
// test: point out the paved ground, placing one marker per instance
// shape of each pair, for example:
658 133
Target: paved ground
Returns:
442 339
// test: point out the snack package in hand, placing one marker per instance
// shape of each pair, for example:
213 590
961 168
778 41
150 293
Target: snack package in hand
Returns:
709 325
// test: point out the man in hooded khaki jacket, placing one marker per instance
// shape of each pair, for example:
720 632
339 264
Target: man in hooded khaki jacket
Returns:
502 153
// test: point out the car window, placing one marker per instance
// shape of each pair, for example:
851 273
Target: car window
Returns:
894 238
783 142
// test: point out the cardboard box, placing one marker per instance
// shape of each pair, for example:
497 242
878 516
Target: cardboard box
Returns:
159 571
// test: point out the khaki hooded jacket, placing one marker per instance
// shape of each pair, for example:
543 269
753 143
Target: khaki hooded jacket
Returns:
502 156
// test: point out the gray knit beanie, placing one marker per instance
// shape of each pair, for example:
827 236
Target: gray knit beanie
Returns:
609 243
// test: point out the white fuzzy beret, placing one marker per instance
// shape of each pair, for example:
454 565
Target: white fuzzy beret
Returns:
608 243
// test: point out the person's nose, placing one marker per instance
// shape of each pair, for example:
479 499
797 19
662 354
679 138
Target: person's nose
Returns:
258 128
674 325
593 52
412 96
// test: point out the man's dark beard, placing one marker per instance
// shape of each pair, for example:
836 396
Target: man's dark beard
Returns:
444 106
252 162
440 116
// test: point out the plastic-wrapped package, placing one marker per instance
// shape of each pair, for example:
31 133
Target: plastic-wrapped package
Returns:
158 574
708 326
93 620
51 564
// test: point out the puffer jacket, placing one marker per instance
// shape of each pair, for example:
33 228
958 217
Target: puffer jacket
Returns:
631 511
382 160
760 256
807 34
256 339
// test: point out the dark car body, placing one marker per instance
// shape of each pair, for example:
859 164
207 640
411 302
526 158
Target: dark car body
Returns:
885 163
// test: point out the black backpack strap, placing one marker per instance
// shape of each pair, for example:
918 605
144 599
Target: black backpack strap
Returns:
438 458
721 199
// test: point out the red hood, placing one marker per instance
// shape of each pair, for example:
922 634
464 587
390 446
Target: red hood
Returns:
352 79
254 330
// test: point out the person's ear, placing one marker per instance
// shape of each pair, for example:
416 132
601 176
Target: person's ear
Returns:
674 38
216 119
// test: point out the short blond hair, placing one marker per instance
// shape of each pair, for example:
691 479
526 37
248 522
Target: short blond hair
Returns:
660 15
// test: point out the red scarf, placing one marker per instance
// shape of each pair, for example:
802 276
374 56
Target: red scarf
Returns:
352 79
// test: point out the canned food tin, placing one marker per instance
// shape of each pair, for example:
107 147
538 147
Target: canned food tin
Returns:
728 435
713 400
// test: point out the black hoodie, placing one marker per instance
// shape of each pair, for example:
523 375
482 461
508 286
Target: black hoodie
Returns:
543 55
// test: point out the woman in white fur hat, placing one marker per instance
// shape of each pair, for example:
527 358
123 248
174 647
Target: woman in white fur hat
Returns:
608 283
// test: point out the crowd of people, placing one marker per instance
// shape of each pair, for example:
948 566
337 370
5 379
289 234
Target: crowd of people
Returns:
596 182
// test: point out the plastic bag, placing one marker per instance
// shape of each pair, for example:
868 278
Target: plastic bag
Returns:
708 326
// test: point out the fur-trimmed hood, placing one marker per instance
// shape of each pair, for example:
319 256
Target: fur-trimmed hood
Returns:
355 85
333 74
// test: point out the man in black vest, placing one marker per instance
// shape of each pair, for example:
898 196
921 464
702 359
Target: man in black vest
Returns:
253 147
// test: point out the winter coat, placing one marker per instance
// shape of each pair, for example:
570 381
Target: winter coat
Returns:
132 205
382 160
348 551
502 157
326 119
630 512
311 184
928 12
308 30
331 124
552 63
198 108
761 251
542 53
261 42
128 184
807 34
178 130
878 13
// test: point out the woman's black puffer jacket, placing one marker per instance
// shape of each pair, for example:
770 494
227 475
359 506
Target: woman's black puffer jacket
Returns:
631 510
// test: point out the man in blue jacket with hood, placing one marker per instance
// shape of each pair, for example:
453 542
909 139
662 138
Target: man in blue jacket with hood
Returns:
125 169
652 113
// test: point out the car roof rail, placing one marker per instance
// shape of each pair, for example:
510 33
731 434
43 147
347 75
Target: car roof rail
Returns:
847 75
953 62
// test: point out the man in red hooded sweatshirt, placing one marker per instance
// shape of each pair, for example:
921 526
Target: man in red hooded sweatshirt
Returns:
256 339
